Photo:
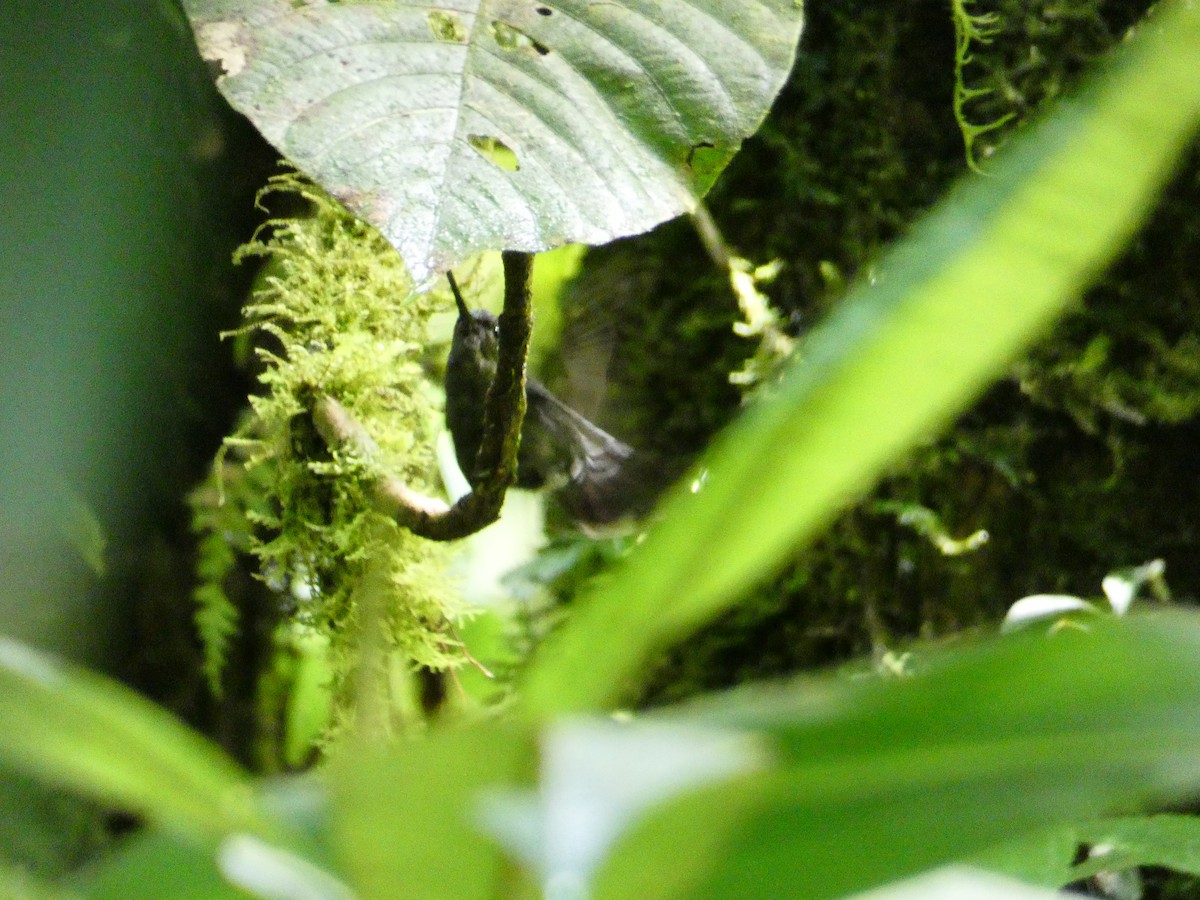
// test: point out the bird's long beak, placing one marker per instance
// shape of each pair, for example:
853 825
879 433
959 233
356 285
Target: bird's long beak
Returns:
463 310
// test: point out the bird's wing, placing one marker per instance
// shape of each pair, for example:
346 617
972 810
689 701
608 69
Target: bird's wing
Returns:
600 487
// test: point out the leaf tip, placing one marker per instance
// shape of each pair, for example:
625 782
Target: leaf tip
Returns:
223 43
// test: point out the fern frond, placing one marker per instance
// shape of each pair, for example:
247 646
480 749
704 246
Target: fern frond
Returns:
971 29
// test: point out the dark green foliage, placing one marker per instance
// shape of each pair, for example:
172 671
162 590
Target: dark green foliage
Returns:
334 311
647 345
1081 462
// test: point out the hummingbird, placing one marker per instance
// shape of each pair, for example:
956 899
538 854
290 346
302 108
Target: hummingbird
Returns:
597 479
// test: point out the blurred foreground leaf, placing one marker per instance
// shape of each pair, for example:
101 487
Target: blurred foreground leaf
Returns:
959 883
406 823
1170 841
979 279
154 865
874 782
1044 858
90 734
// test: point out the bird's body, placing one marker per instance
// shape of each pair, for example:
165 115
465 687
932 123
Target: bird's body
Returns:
590 472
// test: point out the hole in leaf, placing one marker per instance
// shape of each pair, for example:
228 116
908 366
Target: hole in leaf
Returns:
495 151
446 26
702 155
512 39
544 11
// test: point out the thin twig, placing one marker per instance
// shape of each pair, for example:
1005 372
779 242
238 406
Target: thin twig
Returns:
710 236
505 405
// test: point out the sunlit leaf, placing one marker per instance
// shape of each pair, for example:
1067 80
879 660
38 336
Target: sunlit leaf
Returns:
489 124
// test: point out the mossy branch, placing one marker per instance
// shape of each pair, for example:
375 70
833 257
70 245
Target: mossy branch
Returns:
504 413
760 320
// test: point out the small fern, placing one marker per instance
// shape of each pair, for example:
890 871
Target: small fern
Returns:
223 532
971 29
216 616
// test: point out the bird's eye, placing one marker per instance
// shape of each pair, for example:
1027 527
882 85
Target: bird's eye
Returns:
496 329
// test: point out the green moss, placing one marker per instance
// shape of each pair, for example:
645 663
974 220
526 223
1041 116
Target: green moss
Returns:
335 312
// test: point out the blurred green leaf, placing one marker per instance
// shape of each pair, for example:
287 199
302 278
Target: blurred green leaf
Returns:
503 125
877 781
599 775
1170 841
488 638
45 830
959 883
552 272
309 697
406 823
1043 858
977 280
154 865
17 884
277 873
90 734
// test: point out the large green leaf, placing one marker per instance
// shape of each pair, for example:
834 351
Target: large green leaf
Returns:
82 731
873 782
620 114
406 822
153 865
814 789
978 280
